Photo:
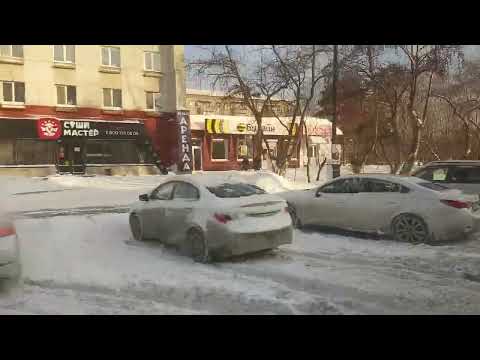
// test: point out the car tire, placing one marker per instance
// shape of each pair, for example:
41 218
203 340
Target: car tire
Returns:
410 228
296 222
197 246
136 228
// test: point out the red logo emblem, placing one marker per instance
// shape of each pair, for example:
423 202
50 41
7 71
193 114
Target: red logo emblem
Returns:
49 129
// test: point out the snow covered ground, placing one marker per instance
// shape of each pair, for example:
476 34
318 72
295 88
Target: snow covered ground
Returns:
85 262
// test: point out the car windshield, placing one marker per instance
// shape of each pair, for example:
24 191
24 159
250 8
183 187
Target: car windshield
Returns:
433 186
235 190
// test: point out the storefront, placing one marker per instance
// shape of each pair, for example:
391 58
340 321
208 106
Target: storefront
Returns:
72 146
222 142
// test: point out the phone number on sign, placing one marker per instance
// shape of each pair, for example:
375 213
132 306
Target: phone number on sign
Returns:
121 133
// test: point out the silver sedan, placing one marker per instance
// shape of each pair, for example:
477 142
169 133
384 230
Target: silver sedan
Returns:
209 218
409 208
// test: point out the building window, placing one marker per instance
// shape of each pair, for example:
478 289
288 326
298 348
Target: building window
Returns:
312 151
64 53
219 149
152 61
153 101
292 149
111 56
245 147
66 95
112 98
13 92
34 152
7 152
11 51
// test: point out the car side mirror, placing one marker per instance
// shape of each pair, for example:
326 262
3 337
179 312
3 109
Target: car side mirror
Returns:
144 197
318 194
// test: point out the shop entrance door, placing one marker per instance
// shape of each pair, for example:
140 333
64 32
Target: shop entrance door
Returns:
71 157
197 158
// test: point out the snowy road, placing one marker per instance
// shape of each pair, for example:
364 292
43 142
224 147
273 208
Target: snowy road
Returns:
87 264
78 258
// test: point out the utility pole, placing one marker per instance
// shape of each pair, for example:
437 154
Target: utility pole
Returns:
335 155
334 94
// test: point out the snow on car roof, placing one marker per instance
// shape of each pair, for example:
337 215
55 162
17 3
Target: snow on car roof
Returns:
210 179
388 177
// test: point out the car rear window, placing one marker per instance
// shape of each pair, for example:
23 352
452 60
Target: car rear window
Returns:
235 190
432 186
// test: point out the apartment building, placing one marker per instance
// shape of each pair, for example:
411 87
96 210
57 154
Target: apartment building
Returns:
89 108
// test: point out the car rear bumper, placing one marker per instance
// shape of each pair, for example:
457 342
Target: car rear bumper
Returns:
227 244
457 226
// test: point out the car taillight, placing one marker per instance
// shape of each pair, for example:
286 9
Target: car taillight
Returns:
222 218
456 204
7 231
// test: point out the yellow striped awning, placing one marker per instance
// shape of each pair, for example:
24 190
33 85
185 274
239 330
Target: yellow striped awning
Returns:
215 126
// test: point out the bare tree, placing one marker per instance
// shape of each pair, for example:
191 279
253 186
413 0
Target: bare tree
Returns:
248 79
422 60
302 67
403 83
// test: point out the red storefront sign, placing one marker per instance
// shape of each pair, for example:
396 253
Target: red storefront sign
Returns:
49 129
319 130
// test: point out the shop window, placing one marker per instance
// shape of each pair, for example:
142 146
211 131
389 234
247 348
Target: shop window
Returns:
245 147
112 152
66 95
13 92
11 51
123 152
64 53
34 152
94 152
112 98
219 149
152 61
7 155
153 101
111 56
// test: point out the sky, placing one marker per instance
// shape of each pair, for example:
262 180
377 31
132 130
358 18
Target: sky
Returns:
193 51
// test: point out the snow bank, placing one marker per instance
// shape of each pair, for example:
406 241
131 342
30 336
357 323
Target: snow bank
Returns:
267 180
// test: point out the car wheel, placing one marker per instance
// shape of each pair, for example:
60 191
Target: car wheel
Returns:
410 228
293 214
197 245
136 228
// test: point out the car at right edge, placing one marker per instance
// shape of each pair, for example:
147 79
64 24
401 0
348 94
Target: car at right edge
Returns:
408 208
457 174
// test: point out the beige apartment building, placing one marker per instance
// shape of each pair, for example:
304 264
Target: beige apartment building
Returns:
78 108
205 102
